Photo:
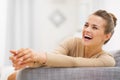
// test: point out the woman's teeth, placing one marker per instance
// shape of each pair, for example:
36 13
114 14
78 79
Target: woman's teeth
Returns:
87 37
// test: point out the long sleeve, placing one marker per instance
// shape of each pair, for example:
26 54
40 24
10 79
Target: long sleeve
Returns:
58 60
72 47
71 54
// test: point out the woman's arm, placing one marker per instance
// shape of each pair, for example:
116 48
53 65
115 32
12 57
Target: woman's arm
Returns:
27 57
57 60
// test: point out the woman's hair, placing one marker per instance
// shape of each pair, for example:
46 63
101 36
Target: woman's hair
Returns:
110 21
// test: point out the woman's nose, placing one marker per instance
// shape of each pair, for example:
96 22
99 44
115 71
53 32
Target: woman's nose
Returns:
88 29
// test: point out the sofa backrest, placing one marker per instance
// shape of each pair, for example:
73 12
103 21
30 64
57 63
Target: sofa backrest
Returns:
116 55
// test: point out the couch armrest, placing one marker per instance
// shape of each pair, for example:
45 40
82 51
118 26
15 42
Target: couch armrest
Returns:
116 54
86 73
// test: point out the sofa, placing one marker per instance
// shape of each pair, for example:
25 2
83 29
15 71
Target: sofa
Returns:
79 73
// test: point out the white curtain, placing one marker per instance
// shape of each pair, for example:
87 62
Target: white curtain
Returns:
19 26
3 10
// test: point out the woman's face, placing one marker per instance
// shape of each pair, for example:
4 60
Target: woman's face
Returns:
93 31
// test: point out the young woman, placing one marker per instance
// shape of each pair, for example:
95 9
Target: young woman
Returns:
74 52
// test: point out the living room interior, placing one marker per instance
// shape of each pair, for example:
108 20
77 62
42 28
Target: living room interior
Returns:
43 24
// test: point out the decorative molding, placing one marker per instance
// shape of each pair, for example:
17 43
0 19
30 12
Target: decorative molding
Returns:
57 18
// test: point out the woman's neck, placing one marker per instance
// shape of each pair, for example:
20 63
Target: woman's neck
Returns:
91 51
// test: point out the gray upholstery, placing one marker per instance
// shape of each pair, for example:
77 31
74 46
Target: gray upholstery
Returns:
116 55
82 73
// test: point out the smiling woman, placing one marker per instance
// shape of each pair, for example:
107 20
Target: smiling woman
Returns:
73 52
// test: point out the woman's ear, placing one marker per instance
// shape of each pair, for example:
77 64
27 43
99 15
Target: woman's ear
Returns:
108 36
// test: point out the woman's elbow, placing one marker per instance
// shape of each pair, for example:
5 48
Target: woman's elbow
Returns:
111 63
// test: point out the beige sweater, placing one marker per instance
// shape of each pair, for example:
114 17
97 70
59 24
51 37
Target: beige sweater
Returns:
71 54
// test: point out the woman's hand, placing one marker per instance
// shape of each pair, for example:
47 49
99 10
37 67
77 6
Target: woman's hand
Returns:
27 58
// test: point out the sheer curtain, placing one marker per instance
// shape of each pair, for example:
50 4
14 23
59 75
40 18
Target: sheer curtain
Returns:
19 26
3 10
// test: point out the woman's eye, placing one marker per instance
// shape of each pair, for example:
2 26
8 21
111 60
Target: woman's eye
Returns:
85 25
95 28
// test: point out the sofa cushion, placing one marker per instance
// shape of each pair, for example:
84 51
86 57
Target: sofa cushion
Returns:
82 73
116 55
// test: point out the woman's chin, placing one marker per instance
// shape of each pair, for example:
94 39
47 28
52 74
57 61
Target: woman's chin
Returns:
86 43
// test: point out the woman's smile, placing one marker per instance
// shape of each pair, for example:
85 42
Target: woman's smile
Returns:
87 37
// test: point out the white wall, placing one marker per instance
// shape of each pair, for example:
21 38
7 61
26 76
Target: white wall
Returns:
47 34
113 6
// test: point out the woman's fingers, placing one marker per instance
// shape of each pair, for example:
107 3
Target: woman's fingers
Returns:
24 57
23 52
26 65
19 66
12 58
28 56
14 52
